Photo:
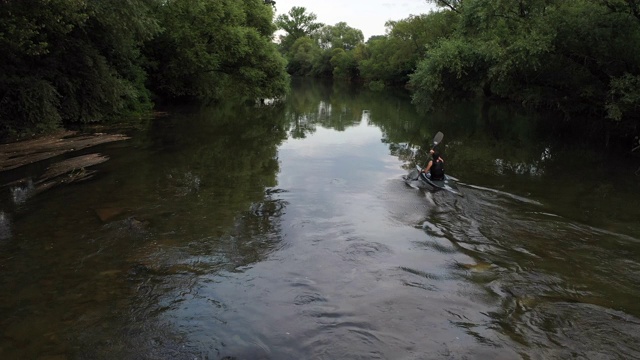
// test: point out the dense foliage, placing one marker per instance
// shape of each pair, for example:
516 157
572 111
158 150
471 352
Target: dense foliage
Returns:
81 61
315 49
392 58
579 58
228 50
339 51
71 61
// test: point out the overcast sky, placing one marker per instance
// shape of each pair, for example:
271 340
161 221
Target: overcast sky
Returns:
368 16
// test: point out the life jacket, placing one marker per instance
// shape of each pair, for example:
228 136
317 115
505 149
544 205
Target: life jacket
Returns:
437 170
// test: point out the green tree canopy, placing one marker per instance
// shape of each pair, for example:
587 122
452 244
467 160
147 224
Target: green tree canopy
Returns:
579 57
70 61
297 23
344 64
392 58
339 35
228 50
302 55
86 61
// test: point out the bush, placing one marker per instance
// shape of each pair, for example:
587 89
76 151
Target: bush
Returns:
28 106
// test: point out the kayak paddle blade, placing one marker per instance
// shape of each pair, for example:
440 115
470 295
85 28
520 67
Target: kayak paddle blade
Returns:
437 139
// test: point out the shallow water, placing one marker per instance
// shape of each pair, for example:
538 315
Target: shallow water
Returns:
288 232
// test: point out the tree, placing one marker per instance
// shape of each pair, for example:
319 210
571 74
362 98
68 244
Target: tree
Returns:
578 57
297 23
322 65
453 5
339 35
90 61
344 64
302 55
392 58
228 50
70 61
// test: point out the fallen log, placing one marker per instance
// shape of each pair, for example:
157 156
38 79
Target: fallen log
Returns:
69 166
63 172
22 153
15 155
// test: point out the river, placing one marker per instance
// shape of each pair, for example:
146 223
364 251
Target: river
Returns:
287 231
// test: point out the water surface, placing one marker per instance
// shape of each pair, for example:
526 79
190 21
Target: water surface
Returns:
287 232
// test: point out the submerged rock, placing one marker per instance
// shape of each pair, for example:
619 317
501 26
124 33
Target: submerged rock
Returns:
106 214
479 267
136 225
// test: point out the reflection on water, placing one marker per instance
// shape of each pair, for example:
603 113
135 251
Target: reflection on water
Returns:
5 226
287 232
21 192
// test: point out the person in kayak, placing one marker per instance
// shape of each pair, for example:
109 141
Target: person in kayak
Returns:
435 167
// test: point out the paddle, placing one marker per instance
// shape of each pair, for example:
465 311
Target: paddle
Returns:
436 140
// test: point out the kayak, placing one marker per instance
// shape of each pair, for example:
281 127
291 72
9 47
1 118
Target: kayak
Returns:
424 182
419 179
435 184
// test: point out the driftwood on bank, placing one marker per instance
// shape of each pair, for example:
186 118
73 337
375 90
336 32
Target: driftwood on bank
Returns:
69 165
22 153
66 171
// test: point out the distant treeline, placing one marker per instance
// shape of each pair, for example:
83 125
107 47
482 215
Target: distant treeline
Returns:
82 61
580 58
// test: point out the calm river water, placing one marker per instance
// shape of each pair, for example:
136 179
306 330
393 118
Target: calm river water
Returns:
287 232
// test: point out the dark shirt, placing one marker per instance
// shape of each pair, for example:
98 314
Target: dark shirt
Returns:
437 170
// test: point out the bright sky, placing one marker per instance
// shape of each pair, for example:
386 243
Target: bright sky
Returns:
368 16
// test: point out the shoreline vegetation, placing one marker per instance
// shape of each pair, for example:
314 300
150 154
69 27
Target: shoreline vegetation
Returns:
87 62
